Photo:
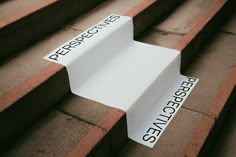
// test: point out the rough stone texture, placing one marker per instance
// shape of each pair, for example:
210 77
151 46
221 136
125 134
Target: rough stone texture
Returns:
83 108
154 37
217 121
29 61
9 8
224 98
196 142
54 136
184 17
109 7
180 129
211 66
230 26
95 143
116 125
225 143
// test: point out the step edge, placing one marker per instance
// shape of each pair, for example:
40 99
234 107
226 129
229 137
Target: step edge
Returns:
27 12
13 27
60 68
206 126
198 29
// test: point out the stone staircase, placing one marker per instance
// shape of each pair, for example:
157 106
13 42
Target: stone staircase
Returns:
39 116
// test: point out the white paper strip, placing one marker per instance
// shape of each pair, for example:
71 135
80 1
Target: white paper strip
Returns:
105 64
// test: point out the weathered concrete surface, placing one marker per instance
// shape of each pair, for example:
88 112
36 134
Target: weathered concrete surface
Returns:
155 37
171 141
225 142
9 8
224 145
30 61
180 128
184 17
85 109
211 66
230 26
54 136
109 7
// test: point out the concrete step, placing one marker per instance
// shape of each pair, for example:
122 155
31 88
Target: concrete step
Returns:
31 85
214 134
187 133
211 129
104 130
25 22
10 8
223 143
197 127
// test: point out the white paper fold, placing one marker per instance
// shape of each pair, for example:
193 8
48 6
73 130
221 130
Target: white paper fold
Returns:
105 64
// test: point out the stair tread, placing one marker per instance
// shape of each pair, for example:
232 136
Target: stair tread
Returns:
31 58
10 8
185 16
186 120
211 67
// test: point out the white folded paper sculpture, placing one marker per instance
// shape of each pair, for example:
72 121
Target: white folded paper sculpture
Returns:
106 65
